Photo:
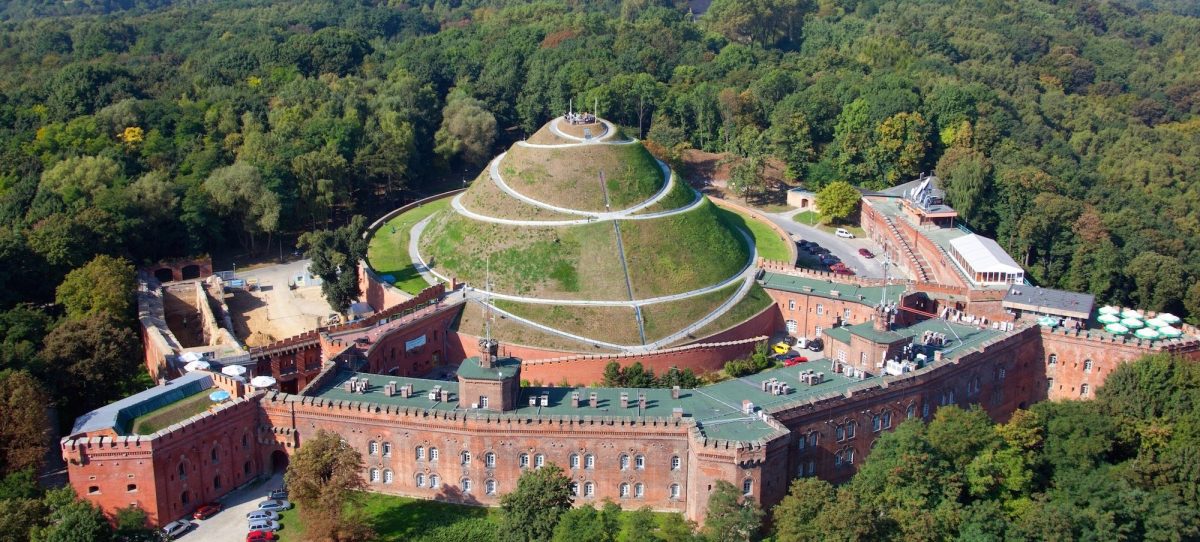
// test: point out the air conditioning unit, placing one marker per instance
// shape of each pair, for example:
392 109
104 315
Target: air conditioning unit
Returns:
474 405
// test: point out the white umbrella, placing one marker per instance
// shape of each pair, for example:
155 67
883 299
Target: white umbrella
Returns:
1108 318
197 366
1146 333
234 370
1130 313
1168 318
262 381
1116 329
188 357
1109 309
1169 331
1133 323
1156 323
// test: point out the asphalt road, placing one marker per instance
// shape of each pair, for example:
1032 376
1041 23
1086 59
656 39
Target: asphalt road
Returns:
229 525
844 249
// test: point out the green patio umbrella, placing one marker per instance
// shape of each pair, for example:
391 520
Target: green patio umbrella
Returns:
1170 332
1133 323
1048 321
1168 318
1130 313
1108 318
1156 323
1146 333
1109 309
1116 329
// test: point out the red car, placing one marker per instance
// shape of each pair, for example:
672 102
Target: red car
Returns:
207 510
865 253
793 360
261 536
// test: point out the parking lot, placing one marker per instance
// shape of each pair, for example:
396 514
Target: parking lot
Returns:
846 250
229 525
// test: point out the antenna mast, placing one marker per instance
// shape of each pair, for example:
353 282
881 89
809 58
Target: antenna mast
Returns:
487 345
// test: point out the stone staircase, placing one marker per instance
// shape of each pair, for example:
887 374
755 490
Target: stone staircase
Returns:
919 265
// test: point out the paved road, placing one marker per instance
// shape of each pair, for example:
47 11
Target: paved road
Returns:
229 525
844 249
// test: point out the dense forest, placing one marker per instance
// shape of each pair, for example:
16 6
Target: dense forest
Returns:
137 130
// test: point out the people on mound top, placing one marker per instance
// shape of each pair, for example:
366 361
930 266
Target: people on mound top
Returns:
580 118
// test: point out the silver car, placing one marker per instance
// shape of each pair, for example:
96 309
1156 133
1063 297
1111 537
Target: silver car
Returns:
256 515
264 525
274 504
175 528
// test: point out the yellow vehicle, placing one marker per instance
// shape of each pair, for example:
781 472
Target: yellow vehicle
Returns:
781 347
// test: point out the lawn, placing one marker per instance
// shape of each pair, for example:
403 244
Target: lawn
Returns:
680 195
406 519
682 252
387 253
755 301
609 324
176 412
662 319
769 243
486 198
570 177
813 218
470 322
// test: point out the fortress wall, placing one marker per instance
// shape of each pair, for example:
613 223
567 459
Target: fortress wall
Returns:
390 354
507 436
375 291
763 323
1069 372
811 312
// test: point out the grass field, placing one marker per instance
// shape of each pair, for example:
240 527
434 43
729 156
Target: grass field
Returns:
387 253
570 177
176 412
574 262
680 195
486 198
662 319
610 324
682 252
769 243
406 519
755 301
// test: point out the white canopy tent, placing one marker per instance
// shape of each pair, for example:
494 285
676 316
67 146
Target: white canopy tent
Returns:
984 261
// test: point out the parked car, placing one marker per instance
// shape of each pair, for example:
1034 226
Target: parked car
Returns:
793 360
843 233
278 494
274 504
261 536
256 515
816 345
173 529
844 271
790 340
264 525
207 510
865 253
781 347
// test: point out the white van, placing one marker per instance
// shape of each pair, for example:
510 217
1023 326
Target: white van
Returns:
843 233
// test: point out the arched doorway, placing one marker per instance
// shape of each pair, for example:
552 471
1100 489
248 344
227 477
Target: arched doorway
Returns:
191 272
279 461
164 274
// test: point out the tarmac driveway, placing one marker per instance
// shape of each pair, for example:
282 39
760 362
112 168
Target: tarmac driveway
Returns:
845 249
229 525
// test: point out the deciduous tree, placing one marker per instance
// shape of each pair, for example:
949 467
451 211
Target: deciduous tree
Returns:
104 286
533 509
25 428
335 255
731 517
324 478
837 201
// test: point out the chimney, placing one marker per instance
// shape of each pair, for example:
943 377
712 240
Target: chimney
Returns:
593 400
641 400
545 399
406 391
445 396
747 406
674 392
624 400
677 412
390 389
574 399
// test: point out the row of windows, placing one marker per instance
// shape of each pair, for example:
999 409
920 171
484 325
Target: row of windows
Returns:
524 459
1087 363
431 481
625 490
820 309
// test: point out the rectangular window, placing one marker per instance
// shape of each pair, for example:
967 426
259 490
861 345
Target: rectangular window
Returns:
863 359
791 304
820 309
841 356
846 315
817 332
483 401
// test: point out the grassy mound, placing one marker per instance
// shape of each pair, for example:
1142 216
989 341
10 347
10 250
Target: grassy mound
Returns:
470 322
575 262
486 198
682 252
768 242
679 196
610 324
387 252
570 177
755 301
663 319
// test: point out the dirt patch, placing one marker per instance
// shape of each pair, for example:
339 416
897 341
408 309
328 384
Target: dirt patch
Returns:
262 317
711 172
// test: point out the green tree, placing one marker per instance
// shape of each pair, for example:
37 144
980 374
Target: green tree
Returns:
583 524
240 193
132 525
640 526
965 173
730 516
837 201
901 142
71 520
335 255
25 433
104 286
795 516
1159 281
324 478
94 363
79 179
533 509
468 129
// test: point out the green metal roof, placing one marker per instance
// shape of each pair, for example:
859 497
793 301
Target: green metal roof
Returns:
867 331
839 334
501 369
865 295
419 399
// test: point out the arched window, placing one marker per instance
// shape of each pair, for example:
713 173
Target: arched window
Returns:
182 469
1052 360
420 453
466 457
245 440
575 488
434 481
372 448
213 454
131 487
676 462
887 419
639 461
217 482
589 489
624 490
839 433
624 461
539 461
1083 390
850 425
489 459
523 460
911 410
674 491
185 497
420 479
433 454
387 476
374 475
574 461
387 449
1087 365
589 461
639 490
465 484
747 486
489 487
